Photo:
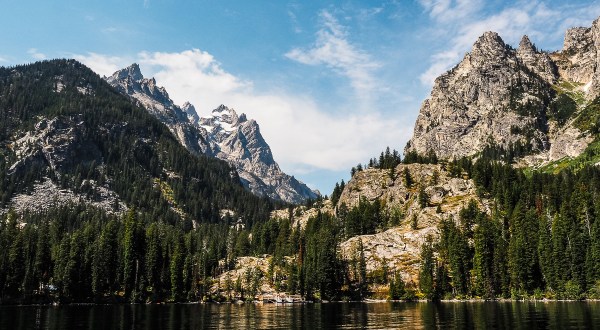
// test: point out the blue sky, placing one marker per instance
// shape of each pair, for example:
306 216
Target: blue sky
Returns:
331 83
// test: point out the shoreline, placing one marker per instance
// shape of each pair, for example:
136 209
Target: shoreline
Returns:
256 302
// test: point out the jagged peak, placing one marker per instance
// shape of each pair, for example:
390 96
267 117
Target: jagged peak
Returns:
132 71
221 108
489 37
190 110
188 105
489 43
526 45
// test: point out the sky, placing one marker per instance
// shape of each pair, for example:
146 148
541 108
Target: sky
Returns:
331 83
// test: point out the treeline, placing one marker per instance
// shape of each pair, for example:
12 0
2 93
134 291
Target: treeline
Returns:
76 253
542 238
79 254
310 264
387 160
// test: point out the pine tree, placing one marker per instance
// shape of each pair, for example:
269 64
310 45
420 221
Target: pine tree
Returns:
132 254
397 287
485 283
408 181
426 272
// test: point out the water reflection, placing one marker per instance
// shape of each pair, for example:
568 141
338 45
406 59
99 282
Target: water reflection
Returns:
418 315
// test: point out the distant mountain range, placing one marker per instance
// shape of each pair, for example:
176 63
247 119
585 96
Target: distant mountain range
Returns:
224 135
68 138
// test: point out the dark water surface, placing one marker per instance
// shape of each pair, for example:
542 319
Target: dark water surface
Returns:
419 315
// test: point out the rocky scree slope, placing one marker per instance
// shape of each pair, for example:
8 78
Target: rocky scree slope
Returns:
224 135
535 102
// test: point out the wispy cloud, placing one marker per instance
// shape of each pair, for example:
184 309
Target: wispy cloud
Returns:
334 50
451 10
291 12
466 20
110 29
304 137
35 54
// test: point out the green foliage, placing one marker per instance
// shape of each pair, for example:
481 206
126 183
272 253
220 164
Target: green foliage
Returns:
423 198
412 157
321 266
408 180
562 108
387 160
397 287
588 119
426 271
365 218
337 192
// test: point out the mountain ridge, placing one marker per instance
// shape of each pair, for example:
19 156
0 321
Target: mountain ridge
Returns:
523 100
223 135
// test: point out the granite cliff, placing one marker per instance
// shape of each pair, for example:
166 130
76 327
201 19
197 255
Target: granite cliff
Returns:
519 99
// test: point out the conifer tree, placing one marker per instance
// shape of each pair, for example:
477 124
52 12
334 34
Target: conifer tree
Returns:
426 272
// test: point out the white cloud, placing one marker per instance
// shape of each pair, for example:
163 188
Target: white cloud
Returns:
35 54
533 18
303 136
193 75
333 49
102 64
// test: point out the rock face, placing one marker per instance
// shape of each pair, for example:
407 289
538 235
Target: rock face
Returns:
59 144
399 247
224 135
237 140
155 99
501 96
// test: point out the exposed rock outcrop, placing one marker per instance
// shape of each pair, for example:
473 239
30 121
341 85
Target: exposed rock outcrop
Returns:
504 97
399 247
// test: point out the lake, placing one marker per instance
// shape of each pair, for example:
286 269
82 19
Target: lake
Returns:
392 315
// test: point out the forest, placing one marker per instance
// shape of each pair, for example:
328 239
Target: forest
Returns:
540 239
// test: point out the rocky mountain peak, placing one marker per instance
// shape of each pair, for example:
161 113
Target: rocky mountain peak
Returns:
489 45
536 61
190 110
224 135
479 101
525 46
224 117
133 71
502 97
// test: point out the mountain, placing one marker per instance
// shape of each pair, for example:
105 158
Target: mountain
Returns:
223 135
531 104
67 137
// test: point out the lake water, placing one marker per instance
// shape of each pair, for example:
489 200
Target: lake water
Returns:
418 315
